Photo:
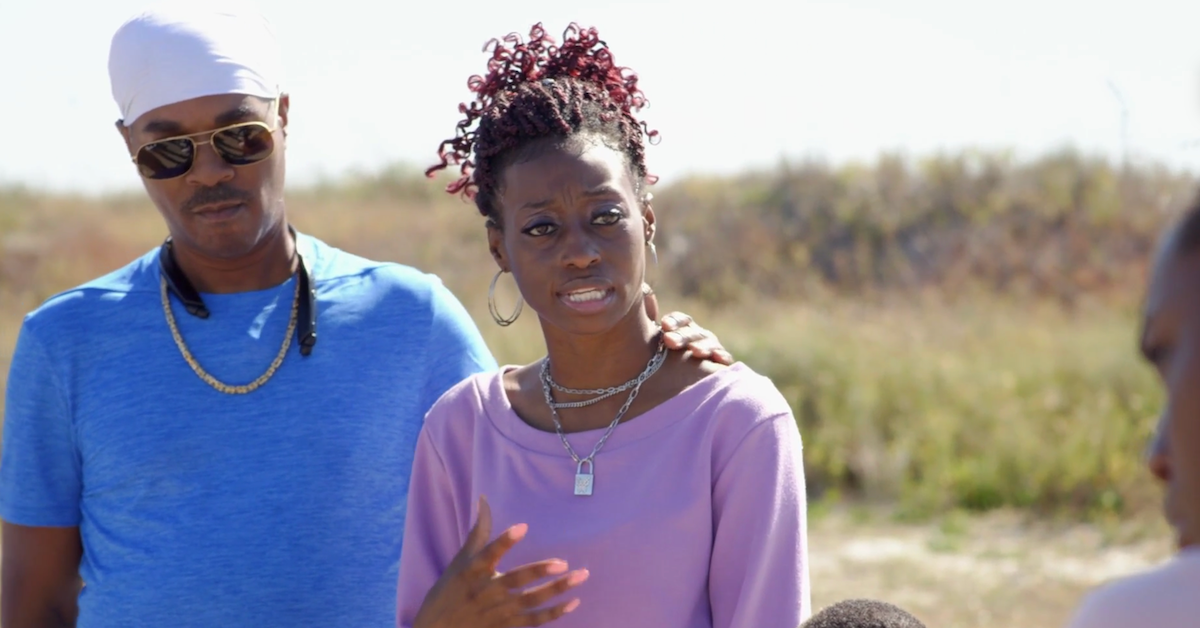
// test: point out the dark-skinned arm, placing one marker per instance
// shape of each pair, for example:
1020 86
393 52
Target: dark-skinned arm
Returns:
39 576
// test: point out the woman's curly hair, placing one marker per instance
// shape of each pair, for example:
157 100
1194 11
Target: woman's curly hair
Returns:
538 90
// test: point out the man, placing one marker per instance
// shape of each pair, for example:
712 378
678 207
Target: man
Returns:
1166 596
220 433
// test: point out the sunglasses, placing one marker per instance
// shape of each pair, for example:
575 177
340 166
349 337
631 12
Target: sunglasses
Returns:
242 144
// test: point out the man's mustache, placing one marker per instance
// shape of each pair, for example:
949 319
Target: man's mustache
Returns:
214 195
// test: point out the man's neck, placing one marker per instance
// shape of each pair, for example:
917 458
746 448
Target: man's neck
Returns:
269 264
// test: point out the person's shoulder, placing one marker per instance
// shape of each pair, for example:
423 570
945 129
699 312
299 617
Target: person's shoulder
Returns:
464 404
1141 599
738 390
387 280
89 303
333 264
474 389
734 402
1113 605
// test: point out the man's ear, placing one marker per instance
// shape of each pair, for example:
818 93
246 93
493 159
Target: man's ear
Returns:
124 131
285 102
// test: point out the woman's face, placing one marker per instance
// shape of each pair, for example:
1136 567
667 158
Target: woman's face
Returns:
574 234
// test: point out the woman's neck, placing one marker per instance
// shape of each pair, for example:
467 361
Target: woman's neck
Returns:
602 360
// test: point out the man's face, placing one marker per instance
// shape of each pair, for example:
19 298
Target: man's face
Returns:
221 207
1171 342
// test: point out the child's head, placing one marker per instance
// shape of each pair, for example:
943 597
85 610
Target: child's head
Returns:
862 614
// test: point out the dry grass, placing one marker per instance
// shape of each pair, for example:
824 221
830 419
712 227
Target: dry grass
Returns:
974 571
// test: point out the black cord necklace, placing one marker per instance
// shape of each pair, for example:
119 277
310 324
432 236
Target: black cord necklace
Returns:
182 288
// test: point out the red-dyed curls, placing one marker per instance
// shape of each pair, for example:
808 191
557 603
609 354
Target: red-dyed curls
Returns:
535 90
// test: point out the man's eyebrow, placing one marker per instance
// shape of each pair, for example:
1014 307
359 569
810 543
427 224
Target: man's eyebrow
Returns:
162 127
235 115
240 113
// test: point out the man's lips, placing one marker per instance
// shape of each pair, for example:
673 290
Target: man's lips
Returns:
220 211
215 208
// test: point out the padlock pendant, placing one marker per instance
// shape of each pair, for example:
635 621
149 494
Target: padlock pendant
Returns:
583 481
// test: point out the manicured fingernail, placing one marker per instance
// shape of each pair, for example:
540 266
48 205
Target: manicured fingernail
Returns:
572 605
556 568
669 321
578 577
673 337
519 530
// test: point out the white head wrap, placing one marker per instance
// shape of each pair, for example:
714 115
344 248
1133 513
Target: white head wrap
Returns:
177 52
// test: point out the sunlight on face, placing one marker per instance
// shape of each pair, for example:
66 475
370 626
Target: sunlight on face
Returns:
216 208
574 235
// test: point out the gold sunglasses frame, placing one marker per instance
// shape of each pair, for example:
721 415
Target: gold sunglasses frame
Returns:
272 113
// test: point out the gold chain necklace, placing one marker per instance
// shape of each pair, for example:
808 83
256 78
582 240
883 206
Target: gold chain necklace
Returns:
209 379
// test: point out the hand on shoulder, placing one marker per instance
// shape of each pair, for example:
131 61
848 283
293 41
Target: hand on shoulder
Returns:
683 334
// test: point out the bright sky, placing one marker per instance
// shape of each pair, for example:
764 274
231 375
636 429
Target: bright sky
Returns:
737 85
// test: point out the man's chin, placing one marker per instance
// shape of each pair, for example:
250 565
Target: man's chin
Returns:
229 241
230 249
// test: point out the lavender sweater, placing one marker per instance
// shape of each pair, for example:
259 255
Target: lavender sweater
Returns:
697 518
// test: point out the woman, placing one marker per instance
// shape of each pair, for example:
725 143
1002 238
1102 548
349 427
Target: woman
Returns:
672 487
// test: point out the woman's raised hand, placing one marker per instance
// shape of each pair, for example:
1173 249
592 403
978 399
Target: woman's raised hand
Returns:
472 594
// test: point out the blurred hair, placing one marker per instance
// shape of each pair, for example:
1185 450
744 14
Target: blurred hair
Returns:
862 613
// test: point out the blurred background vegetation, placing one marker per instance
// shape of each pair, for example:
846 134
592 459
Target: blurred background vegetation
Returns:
954 332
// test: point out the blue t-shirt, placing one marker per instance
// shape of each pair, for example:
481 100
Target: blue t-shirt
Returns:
281 507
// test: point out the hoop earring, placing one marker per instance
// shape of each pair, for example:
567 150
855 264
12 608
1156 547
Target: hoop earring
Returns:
495 312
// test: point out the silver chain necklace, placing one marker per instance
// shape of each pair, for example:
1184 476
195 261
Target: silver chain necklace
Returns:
584 481
604 393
